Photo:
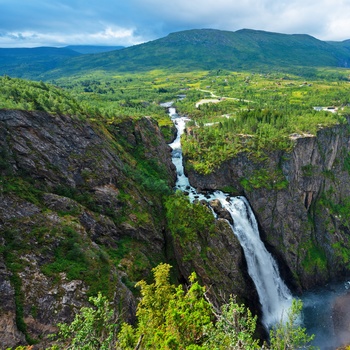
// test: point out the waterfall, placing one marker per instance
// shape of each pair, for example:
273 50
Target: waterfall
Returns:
274 296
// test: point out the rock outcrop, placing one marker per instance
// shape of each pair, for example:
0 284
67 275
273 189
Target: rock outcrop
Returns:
301 199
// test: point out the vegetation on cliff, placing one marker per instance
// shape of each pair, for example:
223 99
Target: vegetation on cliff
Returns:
81 212
174 317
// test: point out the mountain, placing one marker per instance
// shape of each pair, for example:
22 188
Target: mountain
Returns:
345 45
30 62
87 49
199 49
215 49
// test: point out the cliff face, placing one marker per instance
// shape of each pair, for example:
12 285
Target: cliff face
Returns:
301 200
77 216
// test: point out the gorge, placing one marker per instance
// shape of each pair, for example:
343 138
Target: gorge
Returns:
274 296
61 175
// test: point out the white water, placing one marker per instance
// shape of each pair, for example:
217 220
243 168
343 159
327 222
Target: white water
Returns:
275 298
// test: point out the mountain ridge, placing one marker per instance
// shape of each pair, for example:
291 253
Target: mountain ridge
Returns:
89 49
205 49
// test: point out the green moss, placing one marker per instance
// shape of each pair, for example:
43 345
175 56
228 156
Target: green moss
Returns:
265 178
315 259
341 209
22 187
229 189
81 261
308 170
342 252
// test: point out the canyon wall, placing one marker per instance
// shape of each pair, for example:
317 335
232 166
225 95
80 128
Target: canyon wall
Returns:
77 216
301 199
82 210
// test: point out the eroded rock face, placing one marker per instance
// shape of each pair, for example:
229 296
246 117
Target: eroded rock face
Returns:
70 203
9 333
219 262
298 203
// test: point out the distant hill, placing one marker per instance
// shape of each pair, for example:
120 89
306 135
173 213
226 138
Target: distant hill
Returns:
31 62
341 44
87 49
207 49
214 49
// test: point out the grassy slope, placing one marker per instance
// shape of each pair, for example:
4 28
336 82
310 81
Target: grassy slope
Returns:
29 63
213 49
187 51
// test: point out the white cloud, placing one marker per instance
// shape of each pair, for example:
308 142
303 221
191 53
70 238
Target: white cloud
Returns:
128 22
325 19
108 36
115 35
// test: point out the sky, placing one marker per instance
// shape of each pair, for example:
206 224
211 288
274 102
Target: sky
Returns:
32 23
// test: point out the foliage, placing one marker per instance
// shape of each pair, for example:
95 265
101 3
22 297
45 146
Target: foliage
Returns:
171 317
168 317
288 334
255 113
30 95
256 132
187 220
92 328
234 329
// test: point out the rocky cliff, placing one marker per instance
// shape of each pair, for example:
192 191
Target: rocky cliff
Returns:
80 212
301 199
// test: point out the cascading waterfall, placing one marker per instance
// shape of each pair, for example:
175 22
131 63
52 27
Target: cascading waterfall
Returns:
275 297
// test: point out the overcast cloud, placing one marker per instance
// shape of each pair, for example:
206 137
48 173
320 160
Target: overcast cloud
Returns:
30 23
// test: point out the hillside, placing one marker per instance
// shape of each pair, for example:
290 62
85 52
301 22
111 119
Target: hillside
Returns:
31 62
86 183
87 49
199 49
213 49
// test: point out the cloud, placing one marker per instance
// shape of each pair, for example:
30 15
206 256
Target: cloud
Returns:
108 36
128 22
